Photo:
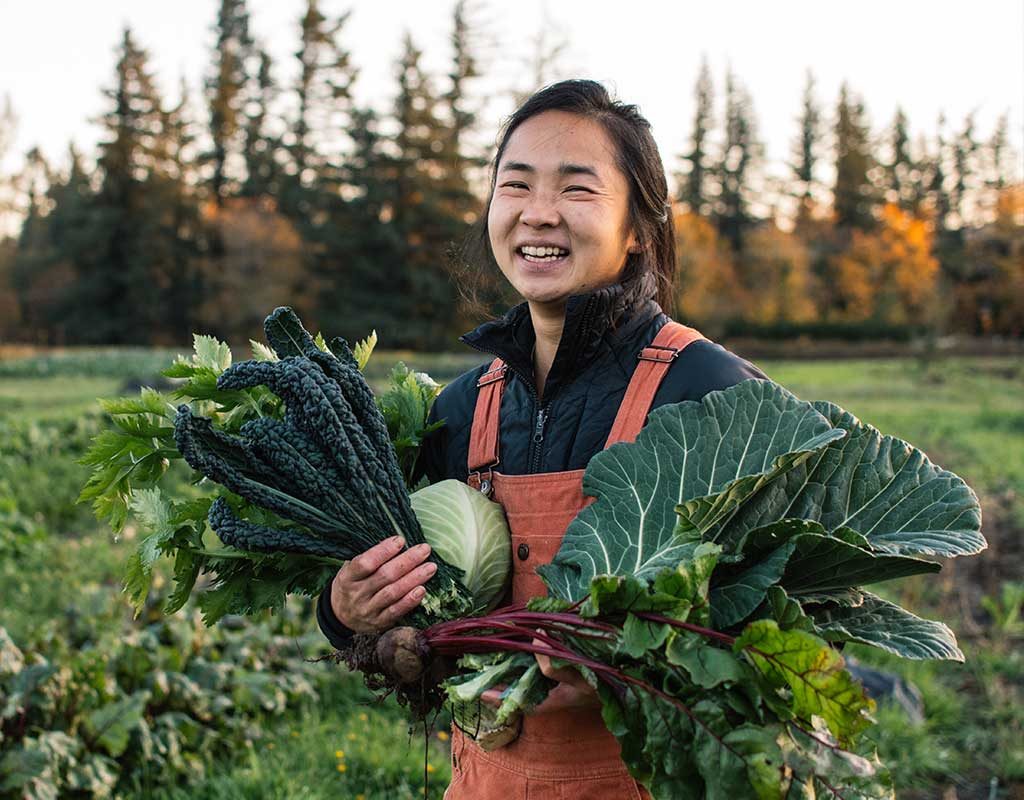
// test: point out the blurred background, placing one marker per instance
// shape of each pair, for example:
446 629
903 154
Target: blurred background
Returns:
848 197
846 175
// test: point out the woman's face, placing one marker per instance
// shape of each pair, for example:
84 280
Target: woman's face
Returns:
558 220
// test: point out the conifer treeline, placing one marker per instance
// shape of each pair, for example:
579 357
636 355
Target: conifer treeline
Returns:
204 215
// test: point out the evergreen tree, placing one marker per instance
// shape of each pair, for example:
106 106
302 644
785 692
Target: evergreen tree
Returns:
34 254
182 239
260 146
227 90
693 189
422 220
459 165
964 150
118 293
853 194
935 179
323 91
740 154
999 173
806 149
900 168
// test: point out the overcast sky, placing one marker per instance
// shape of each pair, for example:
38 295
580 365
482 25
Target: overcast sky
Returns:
931 57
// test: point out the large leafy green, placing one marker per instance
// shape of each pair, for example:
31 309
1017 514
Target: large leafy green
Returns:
887 626
713 454
880 486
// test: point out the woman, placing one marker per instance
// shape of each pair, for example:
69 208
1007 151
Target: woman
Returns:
578 223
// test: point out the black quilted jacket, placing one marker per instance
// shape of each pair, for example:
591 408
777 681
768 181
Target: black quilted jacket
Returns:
604 331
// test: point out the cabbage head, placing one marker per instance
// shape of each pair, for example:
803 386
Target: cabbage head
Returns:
470 532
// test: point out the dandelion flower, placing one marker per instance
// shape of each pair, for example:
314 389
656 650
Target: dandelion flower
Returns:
430 767
351 737
363 717
442 735
339 753
342 768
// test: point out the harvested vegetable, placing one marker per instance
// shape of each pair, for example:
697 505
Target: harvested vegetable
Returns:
303 469
703 594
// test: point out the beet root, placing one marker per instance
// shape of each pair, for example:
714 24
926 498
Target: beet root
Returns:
403 654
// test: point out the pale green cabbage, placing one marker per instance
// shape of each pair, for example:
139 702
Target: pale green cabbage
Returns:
470 532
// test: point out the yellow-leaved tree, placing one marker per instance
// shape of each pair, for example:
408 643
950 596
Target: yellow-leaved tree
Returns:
708 291
776 270
889 274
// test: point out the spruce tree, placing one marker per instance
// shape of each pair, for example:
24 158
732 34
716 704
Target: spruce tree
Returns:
260 146
806 150
423 221
693 188
118 292
323 90
460 165
853 193
740 155
964 153
900 167
227 88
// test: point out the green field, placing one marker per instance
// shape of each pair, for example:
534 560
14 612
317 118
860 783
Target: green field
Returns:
165 708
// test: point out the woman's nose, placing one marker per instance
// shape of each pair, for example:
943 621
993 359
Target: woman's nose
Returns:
540 211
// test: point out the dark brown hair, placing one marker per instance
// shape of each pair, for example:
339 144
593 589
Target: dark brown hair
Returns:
638 159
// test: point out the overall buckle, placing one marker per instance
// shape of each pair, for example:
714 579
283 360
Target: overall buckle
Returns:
659 353
485 479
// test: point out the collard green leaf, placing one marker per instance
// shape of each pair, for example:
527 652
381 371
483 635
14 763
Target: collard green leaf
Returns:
824 564
880 486
735 597
786 611
735 439
885 625
813 671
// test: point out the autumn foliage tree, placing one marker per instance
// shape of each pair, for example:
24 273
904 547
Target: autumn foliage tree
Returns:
889 274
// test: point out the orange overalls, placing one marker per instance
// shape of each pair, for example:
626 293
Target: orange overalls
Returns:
561 755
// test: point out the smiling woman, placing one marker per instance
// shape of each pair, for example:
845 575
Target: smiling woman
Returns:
577 224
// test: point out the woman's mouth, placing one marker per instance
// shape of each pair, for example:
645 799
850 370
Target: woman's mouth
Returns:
542 255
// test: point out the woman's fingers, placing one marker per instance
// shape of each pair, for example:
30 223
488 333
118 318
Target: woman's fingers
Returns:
367 563
395 612
397 567
396 591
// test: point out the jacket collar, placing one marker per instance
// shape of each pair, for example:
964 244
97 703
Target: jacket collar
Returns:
594 322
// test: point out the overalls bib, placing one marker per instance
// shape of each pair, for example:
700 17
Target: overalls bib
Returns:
561 755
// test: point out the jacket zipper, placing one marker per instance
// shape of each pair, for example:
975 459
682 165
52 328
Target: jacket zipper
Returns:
537 440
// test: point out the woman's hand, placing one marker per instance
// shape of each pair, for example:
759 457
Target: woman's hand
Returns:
572 690
377 588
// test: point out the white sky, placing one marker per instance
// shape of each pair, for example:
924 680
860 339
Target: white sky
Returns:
928 56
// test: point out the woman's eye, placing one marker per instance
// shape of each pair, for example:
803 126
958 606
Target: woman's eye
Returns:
513 185
577 189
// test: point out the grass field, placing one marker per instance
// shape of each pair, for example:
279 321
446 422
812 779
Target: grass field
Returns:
60 574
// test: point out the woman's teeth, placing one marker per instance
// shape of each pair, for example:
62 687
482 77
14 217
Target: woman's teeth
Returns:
542 254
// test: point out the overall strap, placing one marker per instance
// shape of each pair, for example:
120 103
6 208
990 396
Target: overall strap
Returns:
655 359
483 437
